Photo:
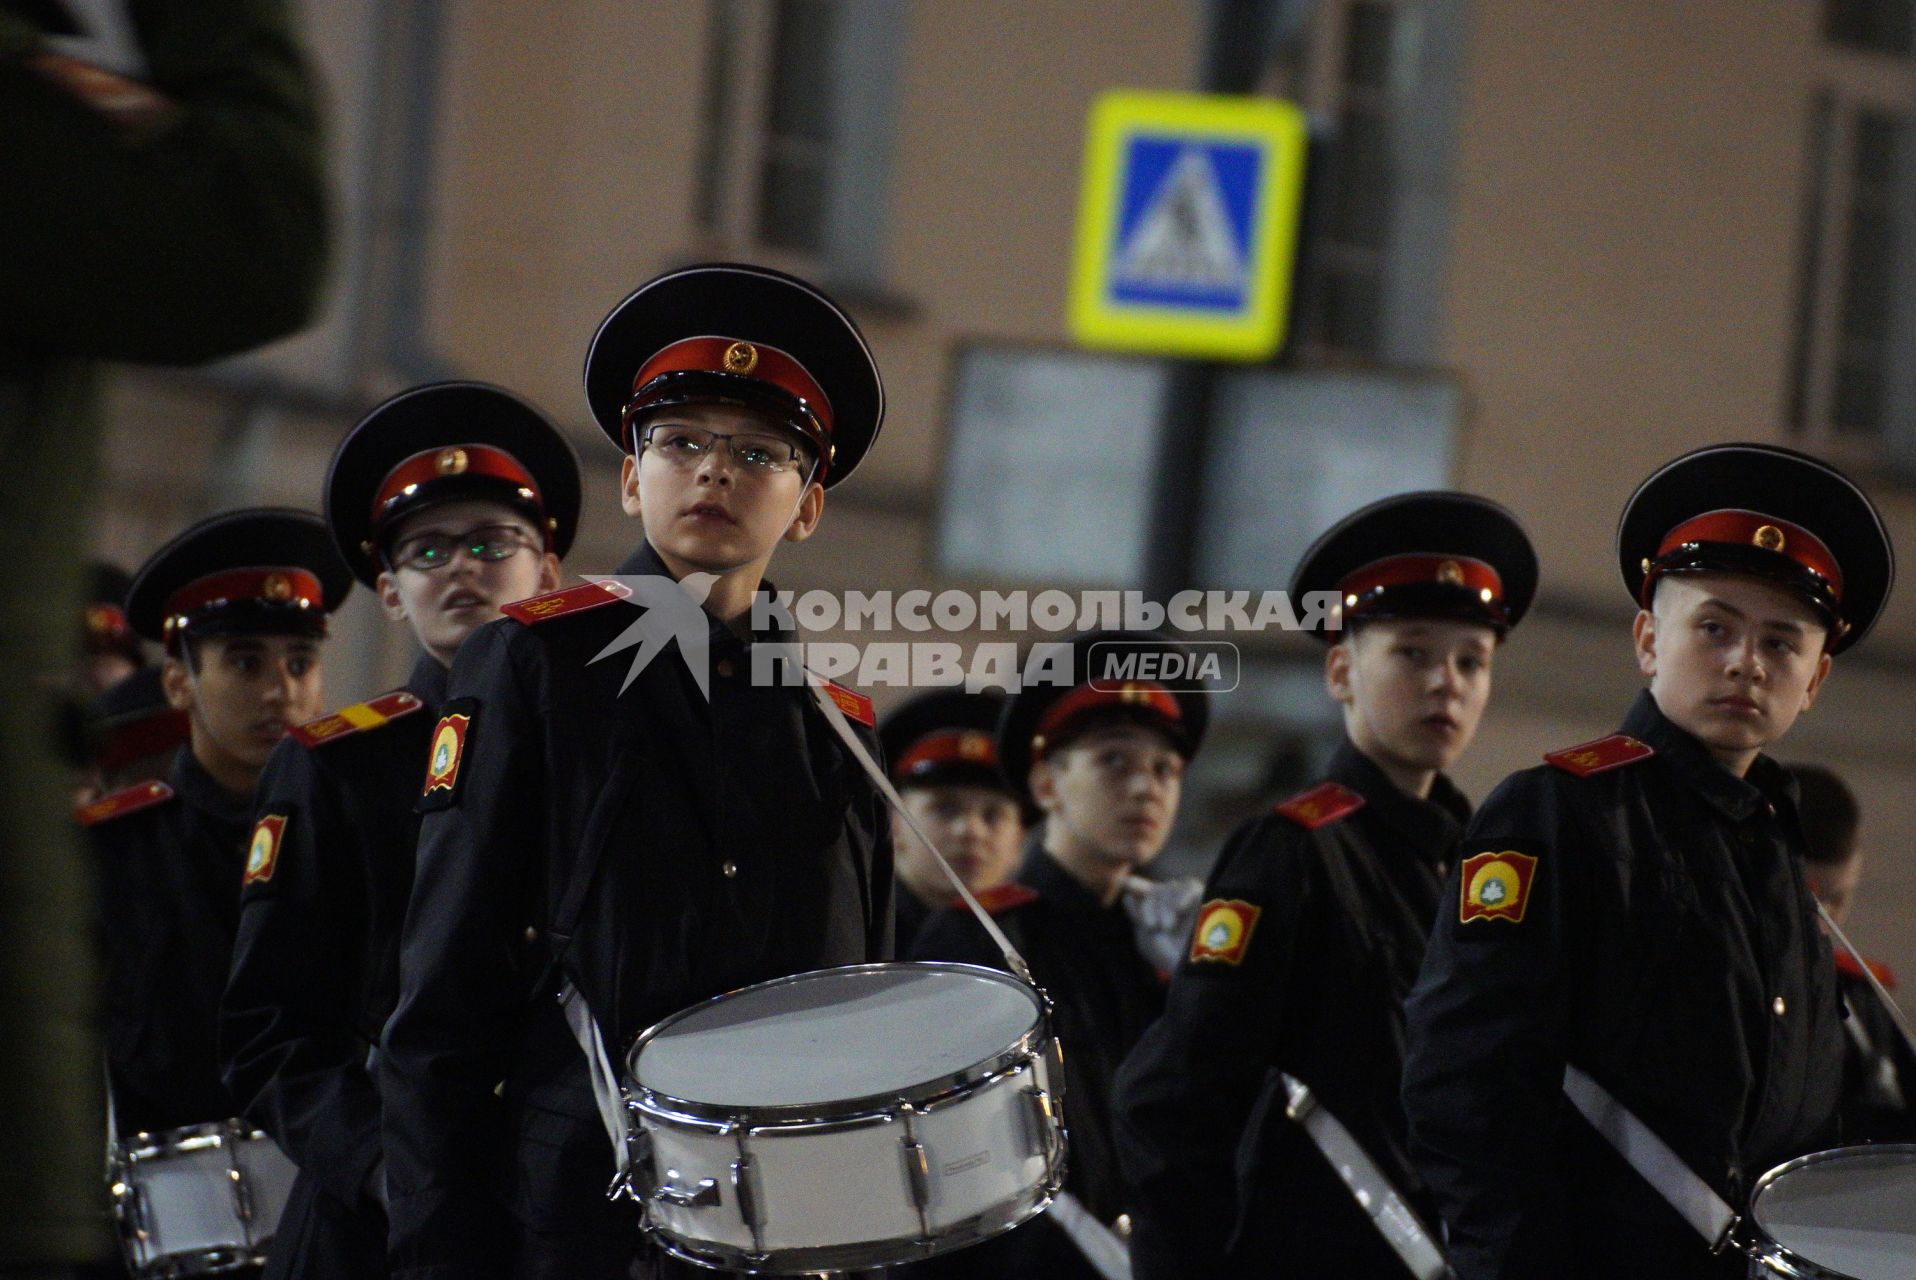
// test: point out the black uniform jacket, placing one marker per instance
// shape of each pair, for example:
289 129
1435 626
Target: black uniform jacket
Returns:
1879 1071
316 969
170 900
1668 946
912 912
1215 1167
1103 992
734 841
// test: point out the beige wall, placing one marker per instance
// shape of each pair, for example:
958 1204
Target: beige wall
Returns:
1622 287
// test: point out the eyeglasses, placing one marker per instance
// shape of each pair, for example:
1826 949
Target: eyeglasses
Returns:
487 544
688 446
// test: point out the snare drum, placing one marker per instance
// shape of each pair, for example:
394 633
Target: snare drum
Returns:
200 1200
857 1117
1847 1214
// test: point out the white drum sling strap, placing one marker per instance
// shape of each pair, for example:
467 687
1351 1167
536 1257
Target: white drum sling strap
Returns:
1394 1219
1652 1158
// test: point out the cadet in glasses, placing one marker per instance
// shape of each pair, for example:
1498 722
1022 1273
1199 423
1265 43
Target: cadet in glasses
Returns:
645 847
451 501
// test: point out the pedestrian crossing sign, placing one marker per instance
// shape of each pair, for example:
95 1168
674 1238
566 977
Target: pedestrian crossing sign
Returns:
1187 224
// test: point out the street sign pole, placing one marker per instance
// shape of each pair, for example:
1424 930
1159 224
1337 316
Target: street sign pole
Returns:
1236 44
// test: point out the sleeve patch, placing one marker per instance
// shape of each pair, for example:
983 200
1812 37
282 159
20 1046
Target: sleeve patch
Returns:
1496 886
1601 756
1321 805
1223 932
446 754
262 855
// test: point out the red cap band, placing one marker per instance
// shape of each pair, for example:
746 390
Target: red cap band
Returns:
454 460
1462 572
275 586
106 625
1087 698
947 746
740 360
1753 529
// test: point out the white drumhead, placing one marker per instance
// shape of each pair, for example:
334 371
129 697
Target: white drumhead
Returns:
837 1035
1851 1211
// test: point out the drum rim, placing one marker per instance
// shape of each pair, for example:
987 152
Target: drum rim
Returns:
671 1107
1007 1215
148 1144
1767 1246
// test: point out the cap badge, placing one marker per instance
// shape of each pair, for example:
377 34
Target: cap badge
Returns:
1768 537
741 357
1134 693
101 620
277 587
1451 572
975 746
451 462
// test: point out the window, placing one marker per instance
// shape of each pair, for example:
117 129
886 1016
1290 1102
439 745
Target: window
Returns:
1381 81
1880 26
1853 383
795 159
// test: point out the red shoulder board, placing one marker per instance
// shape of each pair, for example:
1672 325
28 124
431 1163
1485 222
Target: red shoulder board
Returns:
141 795
1322 804
1601 756
556 604
1847 966
357 718
856 706
1003 897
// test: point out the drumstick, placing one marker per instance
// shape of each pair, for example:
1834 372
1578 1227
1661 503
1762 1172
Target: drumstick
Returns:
1882 992
836 718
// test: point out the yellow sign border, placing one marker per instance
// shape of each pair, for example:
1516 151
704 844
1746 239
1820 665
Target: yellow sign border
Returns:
1275 127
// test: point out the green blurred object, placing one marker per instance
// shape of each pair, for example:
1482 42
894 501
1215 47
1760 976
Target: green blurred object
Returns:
191 230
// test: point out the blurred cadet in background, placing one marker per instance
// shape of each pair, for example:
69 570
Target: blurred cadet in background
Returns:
109 649
449 501
1879 1074
941 748
163 202
240 604
1103 759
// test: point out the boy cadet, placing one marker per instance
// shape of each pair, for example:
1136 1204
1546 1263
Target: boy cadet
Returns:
1879 1064
1316 916
942 752
1636 908
240 603
1103 760
649 849
450 501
